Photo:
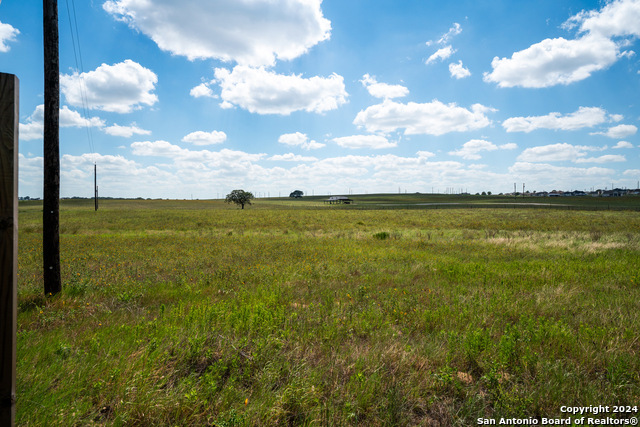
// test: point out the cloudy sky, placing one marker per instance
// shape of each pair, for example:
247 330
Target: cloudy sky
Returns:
199 97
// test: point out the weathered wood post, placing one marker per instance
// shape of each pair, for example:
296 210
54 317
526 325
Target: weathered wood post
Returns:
9 117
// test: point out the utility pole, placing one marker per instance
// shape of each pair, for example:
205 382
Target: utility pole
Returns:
9 117
95 185
51 204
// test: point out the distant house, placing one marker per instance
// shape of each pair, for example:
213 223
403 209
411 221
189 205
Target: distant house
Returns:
616 192
338 200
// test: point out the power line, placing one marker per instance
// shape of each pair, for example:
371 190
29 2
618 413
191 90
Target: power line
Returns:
75 36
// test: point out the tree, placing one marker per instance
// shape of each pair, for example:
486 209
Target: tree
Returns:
239 197
296 194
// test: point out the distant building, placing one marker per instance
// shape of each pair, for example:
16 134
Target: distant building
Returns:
338 200
616 192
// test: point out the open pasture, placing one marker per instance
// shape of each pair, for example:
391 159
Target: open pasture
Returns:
199 313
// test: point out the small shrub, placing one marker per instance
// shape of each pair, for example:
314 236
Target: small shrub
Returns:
231 419
76 288
383 235
63 350
31 302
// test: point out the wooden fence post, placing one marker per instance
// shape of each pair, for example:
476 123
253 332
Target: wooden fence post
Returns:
9 117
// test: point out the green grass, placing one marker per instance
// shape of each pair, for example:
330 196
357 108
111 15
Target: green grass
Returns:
440 201
198 313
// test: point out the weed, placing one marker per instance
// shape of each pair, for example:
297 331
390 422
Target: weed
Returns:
63 350
383 235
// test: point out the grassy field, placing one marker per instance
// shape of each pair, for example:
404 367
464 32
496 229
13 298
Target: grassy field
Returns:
296 313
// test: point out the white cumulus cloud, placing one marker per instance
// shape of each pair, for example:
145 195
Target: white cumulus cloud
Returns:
618 18
118 176
432 118
31 130
224 157
458 71
383 90
70 118
34 128
623 144
265 92
253 32
205 138
299 139
453 31
198 168
620 131
554 61
556 153
584 117
546 176
561 61
607 158
7 34
441 54
125 131
290 157
375 142
118 88
471 150
203 90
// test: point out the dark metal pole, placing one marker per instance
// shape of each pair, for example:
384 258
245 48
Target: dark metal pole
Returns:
51 204
95 184
9 117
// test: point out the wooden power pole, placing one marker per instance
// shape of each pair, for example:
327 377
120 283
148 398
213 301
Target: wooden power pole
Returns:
9 117
51 204
95 185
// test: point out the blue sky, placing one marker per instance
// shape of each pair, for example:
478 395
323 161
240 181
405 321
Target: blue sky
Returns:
199 97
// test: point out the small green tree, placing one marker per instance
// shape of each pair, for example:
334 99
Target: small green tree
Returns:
239 197
296 194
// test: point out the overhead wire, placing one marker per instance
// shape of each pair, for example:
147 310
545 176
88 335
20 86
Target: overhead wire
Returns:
75 41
